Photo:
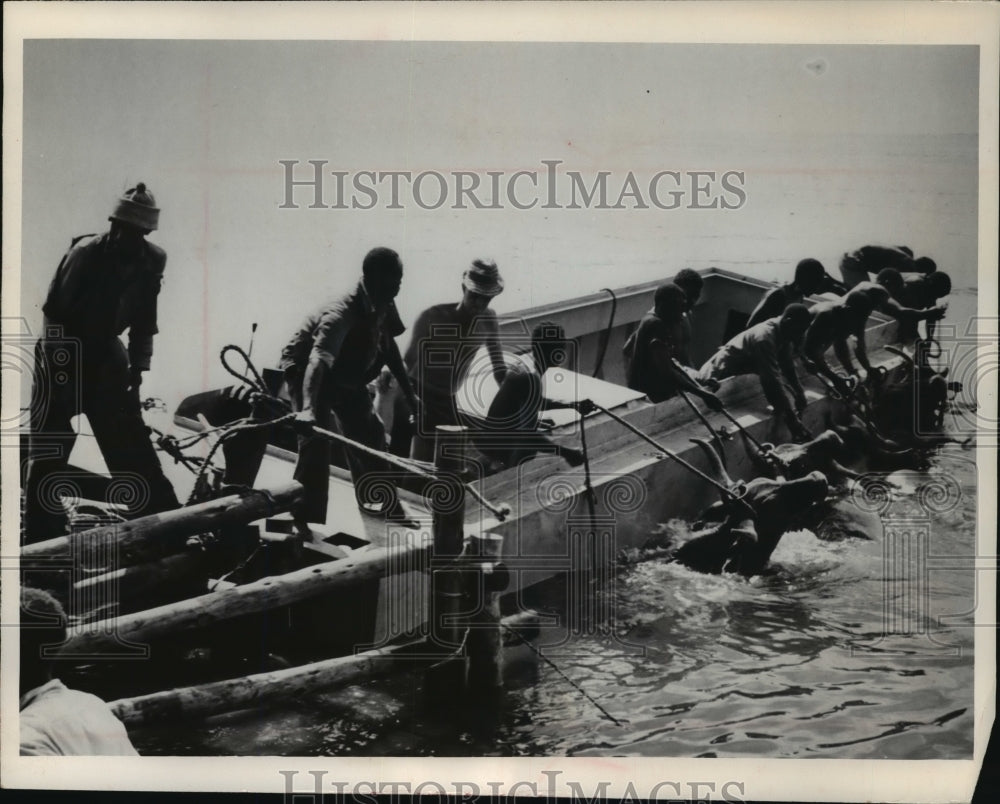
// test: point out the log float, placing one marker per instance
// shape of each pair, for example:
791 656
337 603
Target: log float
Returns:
260 689
156 535
267 593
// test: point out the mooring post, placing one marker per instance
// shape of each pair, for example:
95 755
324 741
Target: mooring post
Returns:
447 499
486 577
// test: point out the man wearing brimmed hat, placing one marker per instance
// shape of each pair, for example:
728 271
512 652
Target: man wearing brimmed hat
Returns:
446 341
104 285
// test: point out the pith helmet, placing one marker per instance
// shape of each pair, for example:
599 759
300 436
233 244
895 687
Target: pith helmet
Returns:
137 207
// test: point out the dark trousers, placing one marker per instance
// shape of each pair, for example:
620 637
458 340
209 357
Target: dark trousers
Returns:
418 438
348 411
73 377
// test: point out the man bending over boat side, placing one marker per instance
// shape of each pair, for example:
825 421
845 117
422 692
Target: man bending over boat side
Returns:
510 433
104 285
833 323
328 364
653 369
766 350
446 339
810 278
890 286
920 291
867 260
56 720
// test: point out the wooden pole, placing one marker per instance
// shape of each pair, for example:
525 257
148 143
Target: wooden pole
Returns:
253 691
448 510
176 572
172 577
217 607
261 689
484 644
156 535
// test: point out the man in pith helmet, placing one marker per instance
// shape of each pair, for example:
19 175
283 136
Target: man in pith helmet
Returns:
104 285
446 342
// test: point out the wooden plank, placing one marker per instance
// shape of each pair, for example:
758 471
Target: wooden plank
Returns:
287 684
218 607
161 534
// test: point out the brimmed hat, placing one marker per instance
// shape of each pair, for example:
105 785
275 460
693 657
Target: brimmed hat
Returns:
137 207
483 278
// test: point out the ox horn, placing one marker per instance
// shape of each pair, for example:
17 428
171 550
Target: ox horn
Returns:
715 462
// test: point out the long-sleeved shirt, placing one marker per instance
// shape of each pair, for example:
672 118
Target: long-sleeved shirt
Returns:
759 351
98 292
350 336
56 720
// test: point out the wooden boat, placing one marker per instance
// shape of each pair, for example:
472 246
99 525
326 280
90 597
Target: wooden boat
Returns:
367 586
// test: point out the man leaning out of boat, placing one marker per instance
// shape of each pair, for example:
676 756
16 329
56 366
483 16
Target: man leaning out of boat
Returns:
510 433
833 322
889 288
860 265
654 368
766 350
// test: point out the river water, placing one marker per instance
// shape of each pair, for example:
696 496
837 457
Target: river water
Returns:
840 650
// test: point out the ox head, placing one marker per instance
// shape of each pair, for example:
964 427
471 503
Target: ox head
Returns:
776 504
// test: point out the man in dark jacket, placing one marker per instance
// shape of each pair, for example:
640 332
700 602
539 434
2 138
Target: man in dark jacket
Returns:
328 364
104 285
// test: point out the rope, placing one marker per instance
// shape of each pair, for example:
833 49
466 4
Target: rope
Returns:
591 501
929 354
237 568
723 489
257 382
852 404
235 430
501 512
565 677
764 449
606 335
